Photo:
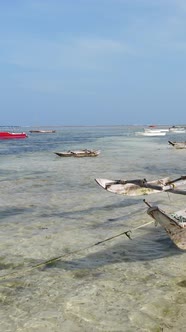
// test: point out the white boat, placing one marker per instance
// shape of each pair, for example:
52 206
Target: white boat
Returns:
174 224
156 130
177 130
150 133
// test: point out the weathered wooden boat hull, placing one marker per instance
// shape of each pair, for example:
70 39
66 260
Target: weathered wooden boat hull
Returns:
178 145
78 154
142 187
42 131
175 230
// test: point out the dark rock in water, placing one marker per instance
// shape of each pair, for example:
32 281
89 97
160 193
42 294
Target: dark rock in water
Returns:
182 283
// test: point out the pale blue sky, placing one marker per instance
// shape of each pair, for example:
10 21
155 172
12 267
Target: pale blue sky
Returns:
92 62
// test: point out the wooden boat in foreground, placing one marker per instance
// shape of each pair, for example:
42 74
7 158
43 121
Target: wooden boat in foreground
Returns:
174 224
10 135
178 145
143 187
79 153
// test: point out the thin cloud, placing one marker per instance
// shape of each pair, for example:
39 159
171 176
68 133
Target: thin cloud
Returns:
43 54
98 46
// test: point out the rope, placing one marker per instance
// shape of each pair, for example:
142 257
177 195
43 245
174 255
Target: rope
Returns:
52 260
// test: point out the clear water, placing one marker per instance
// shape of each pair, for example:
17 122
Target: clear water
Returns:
52 206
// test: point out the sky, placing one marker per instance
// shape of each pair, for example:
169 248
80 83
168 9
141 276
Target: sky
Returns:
92 62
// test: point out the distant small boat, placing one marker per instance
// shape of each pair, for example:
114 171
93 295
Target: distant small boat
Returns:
10 135
174 224
157 130
42 131
178 145
154 127
177 130
79 153
150 133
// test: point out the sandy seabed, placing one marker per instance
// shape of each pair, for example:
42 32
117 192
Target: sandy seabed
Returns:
52 207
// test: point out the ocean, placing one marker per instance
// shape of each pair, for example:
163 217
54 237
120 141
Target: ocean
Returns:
52 207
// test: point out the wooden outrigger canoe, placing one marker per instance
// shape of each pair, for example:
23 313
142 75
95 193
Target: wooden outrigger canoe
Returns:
178 145
174 224
142 186
79 153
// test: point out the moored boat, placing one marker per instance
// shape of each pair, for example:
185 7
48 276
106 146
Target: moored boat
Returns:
150 133
174 224
143 187
177 130
12 135
79 153
42 131
156 128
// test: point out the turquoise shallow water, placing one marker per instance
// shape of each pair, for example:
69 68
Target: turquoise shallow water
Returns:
52 206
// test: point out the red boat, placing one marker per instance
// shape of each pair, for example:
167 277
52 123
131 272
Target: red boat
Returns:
9 135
